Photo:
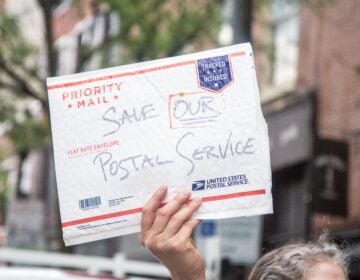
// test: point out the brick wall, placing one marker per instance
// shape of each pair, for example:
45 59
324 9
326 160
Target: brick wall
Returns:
66 18
329 60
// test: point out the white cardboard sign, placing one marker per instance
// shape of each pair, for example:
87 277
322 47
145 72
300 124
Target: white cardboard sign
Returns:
192 121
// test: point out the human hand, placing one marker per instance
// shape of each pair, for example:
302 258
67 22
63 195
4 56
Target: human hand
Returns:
166 232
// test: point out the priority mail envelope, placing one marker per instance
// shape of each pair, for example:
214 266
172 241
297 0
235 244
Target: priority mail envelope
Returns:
191 121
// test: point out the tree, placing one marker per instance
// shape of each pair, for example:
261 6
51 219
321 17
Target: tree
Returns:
148 30
19 83
143 35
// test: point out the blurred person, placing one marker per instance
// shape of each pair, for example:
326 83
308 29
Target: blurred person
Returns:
166 232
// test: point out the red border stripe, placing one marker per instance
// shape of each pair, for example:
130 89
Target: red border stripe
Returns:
102 217
119 75
237 53
114 76
232 195
139 210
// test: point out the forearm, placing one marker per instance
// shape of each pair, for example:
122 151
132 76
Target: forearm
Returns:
200 275
166 231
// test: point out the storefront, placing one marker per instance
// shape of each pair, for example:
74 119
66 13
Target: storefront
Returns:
291 132
310 176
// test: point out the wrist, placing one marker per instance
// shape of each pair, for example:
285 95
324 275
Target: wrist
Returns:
198 275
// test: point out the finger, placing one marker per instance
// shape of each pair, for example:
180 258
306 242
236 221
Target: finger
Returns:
187 229
164 214
181 217
150 208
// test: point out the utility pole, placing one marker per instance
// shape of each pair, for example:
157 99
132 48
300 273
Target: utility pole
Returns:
242 20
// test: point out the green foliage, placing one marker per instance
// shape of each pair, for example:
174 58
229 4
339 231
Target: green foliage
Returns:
317 4
26 131
3 192
6 110
148 30
29 134
18 63
13 48
158 28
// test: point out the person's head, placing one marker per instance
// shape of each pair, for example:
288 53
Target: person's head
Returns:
310 261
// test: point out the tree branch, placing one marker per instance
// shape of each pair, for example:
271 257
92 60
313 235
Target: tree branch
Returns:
23 88
9 86
86 52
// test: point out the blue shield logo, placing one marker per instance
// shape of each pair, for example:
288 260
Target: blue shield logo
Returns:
214 72
198 185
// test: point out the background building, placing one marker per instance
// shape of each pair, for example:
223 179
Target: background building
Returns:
66 37
329 60
308 65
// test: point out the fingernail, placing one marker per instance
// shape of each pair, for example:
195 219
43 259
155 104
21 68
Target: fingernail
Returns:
197 200
185 192
162 188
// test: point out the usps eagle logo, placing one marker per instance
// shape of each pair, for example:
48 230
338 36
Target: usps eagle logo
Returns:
198 185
